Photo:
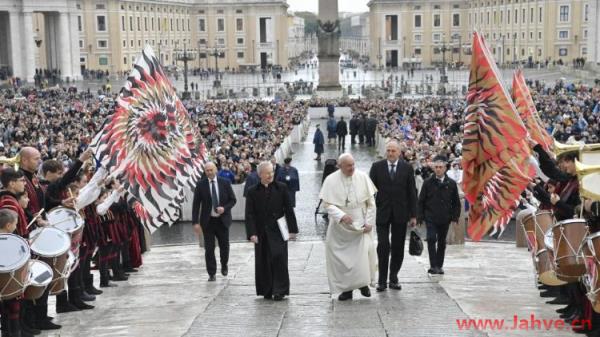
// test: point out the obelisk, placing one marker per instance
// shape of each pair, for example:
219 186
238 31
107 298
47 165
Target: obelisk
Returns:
329 50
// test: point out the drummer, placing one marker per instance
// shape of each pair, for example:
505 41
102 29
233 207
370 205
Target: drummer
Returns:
14 183
563 195
57 194
10 310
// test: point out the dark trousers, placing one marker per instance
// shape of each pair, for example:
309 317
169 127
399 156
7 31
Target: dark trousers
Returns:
398 231
361 138
215 229
341 142
353 138
436 243
371 139
104 259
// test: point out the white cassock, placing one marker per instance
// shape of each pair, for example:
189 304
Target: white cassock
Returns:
350 253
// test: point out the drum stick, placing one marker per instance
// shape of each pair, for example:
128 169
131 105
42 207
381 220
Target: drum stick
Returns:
36 216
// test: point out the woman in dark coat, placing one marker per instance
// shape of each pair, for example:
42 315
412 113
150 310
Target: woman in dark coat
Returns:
318 140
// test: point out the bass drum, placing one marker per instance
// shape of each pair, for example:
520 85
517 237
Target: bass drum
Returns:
14 266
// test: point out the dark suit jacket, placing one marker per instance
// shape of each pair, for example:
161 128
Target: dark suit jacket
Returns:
396 199
262 212
203 201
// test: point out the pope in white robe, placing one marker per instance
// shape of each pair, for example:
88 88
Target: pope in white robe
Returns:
348 197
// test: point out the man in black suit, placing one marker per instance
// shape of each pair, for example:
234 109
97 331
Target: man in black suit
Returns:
396 202
213 200
266 203
439 208
341 130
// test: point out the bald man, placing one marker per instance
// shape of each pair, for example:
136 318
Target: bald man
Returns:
35 314
396 202
211 215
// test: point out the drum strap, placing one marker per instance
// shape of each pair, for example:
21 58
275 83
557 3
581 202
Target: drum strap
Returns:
568 189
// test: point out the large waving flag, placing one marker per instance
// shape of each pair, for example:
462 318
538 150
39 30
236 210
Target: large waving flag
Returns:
150 145
495 151
529 114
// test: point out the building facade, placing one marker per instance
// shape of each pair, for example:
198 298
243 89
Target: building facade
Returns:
296 39
355 37
419 33
107 35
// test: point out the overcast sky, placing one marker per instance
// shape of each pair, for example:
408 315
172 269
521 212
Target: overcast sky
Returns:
343 5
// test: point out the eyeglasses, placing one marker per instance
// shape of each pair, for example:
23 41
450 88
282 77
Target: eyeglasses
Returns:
439 166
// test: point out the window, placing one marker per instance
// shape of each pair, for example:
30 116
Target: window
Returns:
455 20
125 60
436 7
418 38
585 33
131 43
82 59
80 44
417 51
139 26
202 41
152 24
240 54
539 35
220 25
79 23
523 16
201 25
172 25
139 43
564 14
516 16
583 51
240 40
586 12
417 21
239 24
541 14
100 6
220 11
122 23
103 60
131 23
562 52
563 34
101 23
531 19
239 11
508 16
436 37
146 24
124 43
221 41
437 21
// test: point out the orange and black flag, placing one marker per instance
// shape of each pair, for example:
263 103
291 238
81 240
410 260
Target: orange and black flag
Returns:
522 98
495 156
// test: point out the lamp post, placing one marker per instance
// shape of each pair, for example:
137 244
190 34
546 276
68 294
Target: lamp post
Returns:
443 77
185 57
216 53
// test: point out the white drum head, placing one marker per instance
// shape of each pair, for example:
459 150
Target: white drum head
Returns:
40 274
65 219
549 239
49 242
14 252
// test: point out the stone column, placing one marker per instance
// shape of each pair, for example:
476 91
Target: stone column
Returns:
329 49
16 52
75 51
64 45
29 43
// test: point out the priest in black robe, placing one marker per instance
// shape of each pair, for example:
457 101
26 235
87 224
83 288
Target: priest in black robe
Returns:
265 204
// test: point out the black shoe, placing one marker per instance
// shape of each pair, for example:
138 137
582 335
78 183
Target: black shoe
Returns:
81 305
548 293
65 307
439 271
107 285
93 291
565 309
130 270
395 285
118 278
277 297
224 270
365 291
431 271
87 297
211 278
347 295
381 287
47 325
268 297
558 300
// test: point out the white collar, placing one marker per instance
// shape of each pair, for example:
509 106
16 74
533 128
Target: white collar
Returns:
394 163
